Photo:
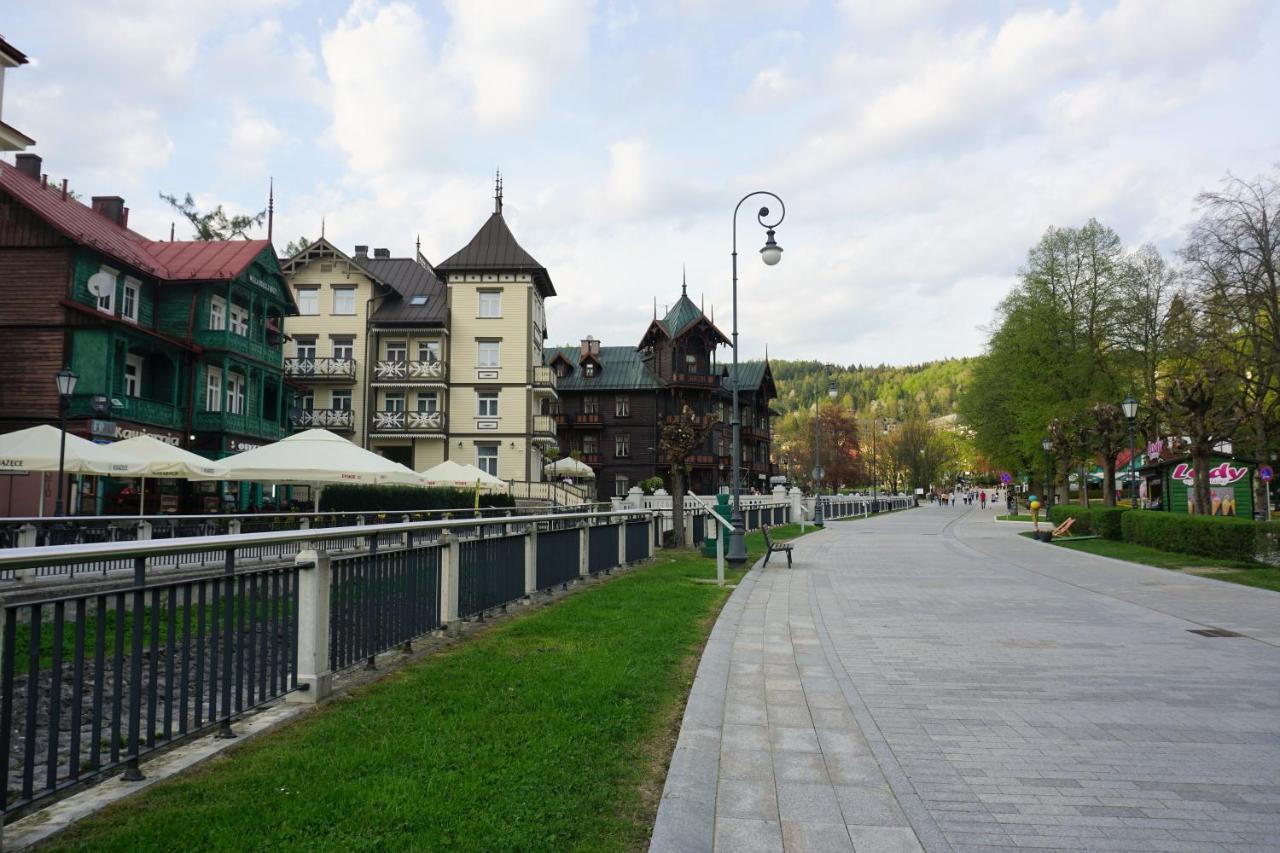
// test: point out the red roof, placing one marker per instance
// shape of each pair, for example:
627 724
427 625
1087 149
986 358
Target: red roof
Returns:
185 260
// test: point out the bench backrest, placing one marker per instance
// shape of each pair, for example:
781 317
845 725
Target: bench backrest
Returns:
768 543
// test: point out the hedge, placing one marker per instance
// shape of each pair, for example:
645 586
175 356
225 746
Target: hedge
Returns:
1103 521
1059 513
352 498
1107 521
1226 538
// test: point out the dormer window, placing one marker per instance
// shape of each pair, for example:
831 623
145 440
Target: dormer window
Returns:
562 369
588 370
418 300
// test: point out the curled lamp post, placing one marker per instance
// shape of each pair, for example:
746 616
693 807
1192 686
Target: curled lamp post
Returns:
1130 409
66 380
770 253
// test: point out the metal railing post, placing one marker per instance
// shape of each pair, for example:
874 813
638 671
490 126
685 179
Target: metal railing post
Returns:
131 771
315 678
719 555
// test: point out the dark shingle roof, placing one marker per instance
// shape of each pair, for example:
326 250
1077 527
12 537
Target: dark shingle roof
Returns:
494 249
751 372
681 315
407 279
621 369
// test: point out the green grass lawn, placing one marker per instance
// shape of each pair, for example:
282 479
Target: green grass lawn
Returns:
1234 571
1015 518
547 732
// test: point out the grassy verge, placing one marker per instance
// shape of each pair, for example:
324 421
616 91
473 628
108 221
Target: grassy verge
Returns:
1014 518
548 732
1249 574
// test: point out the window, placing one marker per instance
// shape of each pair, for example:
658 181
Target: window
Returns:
102 285
235 393
487 404
133 376
488 353
428 401
344 300
307 401
622 446
217 313
491 303
622 406
341 399
393 401
562 369
129 301
344 347
620 486
691 361
429 351
240 321
306 346
589 369
308 300
487 458
590 405
417 300
397 351
213 390
590 444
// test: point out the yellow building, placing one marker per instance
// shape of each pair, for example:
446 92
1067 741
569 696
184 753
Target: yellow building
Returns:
499 390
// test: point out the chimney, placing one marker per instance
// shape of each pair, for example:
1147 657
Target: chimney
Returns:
110 206
382 253
590 346
124 218
29 165
362 252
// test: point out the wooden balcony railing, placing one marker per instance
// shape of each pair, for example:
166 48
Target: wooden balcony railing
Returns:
320 368
544 425
137 409
342 420
395 370
592 419
702 380
544 377
408 422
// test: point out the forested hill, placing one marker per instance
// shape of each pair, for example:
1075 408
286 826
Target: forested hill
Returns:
931 388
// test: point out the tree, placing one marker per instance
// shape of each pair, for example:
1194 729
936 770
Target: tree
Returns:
293 247
842 461
1206 407
1150 289
921 452
681 438
1110 432
214 224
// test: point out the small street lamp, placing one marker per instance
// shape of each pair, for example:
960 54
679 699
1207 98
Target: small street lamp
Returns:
1047 444
66 381
770 253
1130 409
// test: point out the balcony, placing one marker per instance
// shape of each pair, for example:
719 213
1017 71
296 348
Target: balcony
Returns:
338 420
544 426
592 420
408 423
700 460
225 339
544 378
239 423
591 458
397 371
316 369
137 409
697 380
698 420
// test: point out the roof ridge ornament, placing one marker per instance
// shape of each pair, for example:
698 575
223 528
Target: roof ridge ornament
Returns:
497 191
684 281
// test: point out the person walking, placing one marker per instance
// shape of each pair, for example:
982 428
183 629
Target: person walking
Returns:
982 498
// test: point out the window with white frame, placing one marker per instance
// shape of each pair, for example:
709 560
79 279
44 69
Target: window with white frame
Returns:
307 401
487 458
590 444
344 300
344 347
429 351
239 320
306 346
397 350
590 404
393 401
235 393
622 406
589 369
213 389
217 313
491 303
488 353
622 445
487 404
340 399
620 486
428 401
129 298
308 300
133 375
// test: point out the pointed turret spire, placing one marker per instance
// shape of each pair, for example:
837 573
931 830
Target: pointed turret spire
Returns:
684 281
655 307
497 191
322 228
271 208
417 246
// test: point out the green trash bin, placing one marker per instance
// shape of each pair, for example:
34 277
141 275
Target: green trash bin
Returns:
724 509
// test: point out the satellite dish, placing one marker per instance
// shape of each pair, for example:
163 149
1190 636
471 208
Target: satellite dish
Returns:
101 284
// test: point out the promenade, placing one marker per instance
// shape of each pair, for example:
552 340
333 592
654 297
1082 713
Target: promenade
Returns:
930 680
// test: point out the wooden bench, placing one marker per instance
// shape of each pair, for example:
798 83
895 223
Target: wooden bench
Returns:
775 547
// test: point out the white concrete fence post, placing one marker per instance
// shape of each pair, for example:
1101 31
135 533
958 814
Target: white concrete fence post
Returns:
797 505
584 548
450 559
314 674
28 537
144 531
530 562
622 542
654 525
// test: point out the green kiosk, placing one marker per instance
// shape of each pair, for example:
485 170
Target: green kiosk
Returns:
1167 485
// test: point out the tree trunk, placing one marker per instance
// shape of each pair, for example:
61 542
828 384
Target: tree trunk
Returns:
677 505
1201 492
1109 481
1261 505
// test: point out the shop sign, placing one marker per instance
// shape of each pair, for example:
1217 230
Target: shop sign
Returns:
1223 475
129 432
240 446
1154 449
103 429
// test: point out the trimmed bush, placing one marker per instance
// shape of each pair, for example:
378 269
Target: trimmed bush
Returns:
1082 514
1225 538
1107 521
352 498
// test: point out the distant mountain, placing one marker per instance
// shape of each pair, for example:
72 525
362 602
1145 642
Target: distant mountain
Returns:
932 388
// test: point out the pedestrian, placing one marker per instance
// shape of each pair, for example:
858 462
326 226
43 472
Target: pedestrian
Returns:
982 496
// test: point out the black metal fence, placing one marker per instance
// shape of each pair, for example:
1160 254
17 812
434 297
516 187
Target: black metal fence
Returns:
381 600
559 556
490 573
637 542
602 548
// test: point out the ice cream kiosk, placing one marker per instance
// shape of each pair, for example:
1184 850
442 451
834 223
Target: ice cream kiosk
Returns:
1167 484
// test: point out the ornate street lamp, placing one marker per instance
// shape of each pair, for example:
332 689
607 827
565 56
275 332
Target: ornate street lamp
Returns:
770 253
818 472
66 381
1130 409
1047 444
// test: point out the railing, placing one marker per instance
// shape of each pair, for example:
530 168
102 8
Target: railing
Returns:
92 680
544 425
705 380
238 422
591 458
225 339
394 370
409 422
127 408
557 491
544 377
320 368
588 419
339 419
835 507
702 459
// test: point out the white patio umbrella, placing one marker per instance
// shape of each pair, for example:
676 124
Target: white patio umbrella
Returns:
450 473
316 457
570 467
36 449
165 460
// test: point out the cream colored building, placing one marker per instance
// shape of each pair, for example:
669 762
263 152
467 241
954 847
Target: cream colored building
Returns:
499 390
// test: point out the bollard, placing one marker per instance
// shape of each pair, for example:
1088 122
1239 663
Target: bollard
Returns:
315 679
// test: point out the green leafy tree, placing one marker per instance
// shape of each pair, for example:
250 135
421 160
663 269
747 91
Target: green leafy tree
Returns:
214 224
293 247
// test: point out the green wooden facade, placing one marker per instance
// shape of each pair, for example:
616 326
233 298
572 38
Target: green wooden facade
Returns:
1231 485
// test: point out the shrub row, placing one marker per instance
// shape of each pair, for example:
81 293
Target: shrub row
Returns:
1100 520
1225 538
353 498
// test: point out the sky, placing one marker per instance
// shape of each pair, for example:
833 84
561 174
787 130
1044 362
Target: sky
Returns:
920 146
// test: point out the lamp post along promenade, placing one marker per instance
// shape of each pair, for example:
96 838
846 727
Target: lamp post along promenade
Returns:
66 379
1130 409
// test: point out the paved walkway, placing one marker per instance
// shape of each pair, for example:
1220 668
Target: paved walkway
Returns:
931 680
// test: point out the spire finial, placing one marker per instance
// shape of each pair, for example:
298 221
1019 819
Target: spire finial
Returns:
684 281
322 228
417 246
497 191
655 307
170 232
271 208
